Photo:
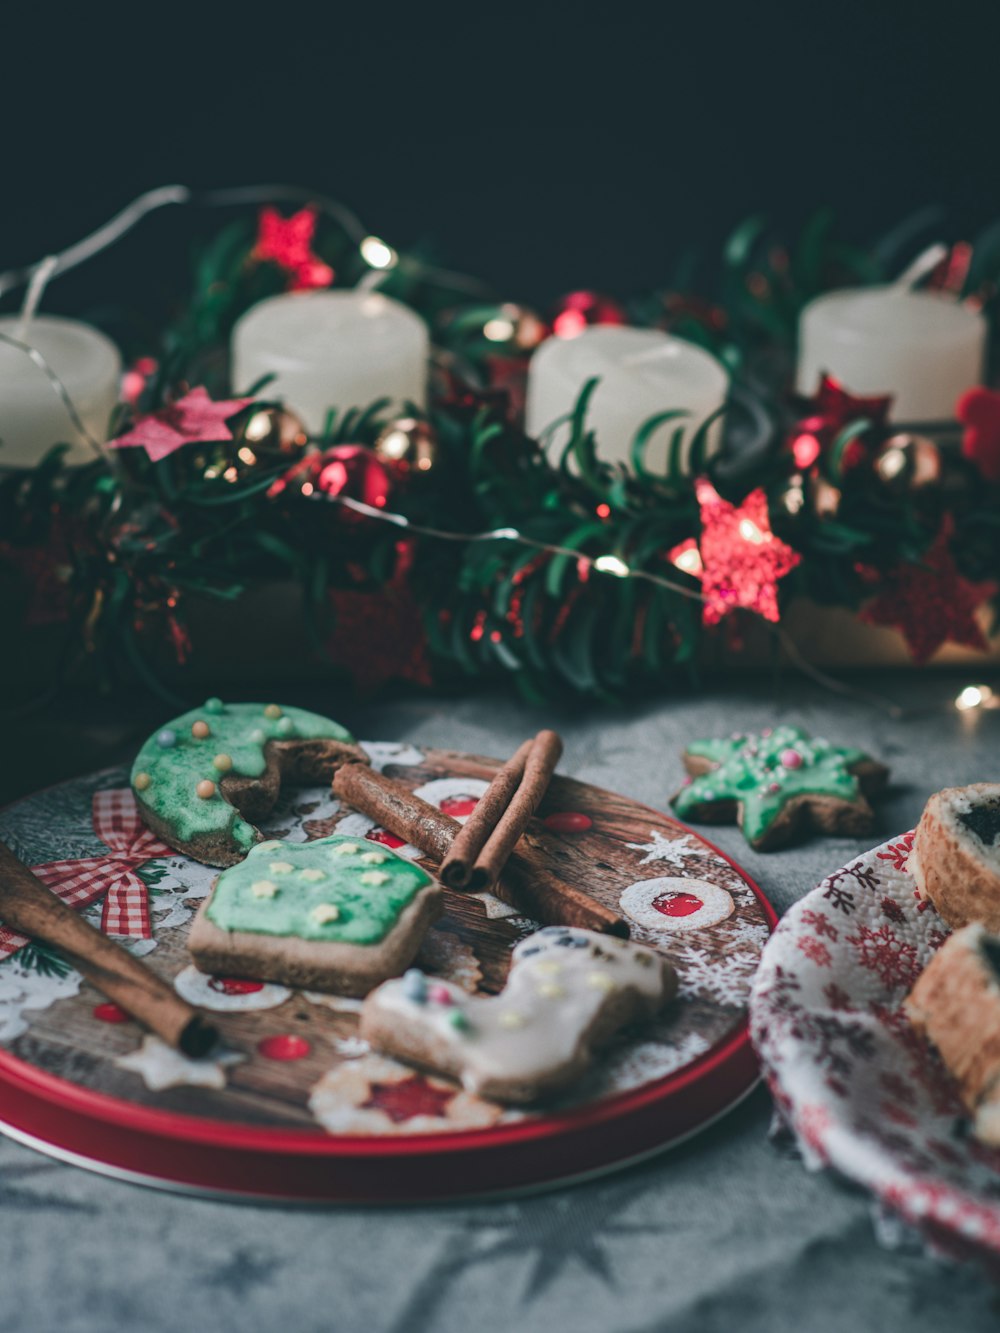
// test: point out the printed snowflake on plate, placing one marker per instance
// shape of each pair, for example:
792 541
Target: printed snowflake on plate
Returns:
863 1092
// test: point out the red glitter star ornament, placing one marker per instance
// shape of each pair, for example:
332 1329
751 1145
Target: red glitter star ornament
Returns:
833 408
931 603
378 633
409 1098
979 412
741 558
288 243
193 419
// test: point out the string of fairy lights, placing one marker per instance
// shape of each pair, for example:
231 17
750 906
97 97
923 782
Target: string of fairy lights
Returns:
380 257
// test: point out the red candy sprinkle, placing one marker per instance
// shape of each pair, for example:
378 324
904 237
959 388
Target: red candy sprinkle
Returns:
110 1013
383 836
677 904
457 806
234 985
284 1046
568 821
439 995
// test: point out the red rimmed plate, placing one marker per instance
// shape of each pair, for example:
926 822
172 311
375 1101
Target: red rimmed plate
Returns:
299 1108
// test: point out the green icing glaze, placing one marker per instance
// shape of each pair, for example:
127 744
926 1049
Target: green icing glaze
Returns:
749 768
366 913
175 771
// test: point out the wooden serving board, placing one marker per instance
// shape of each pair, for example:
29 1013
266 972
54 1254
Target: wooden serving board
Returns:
297 1106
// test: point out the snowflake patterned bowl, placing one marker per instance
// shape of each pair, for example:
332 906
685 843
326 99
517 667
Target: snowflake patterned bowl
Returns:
862 1091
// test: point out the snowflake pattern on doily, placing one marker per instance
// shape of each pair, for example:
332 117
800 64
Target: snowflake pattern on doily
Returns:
863 1092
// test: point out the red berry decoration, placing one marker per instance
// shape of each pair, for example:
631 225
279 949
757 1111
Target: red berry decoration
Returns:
580 310
109 1012
979 412
568 821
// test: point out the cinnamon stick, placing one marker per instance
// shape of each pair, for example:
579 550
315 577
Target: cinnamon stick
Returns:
477 829
27 905
540 764
528 882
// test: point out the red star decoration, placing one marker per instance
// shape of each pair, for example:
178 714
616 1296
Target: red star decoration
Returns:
979 412
193 419
288 243
741 559
378 635
833 408
931 603
407 1099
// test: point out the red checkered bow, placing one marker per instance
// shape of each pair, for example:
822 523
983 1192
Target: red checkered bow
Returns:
111 875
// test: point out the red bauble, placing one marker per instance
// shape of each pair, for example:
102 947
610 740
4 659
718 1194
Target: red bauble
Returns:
353 471
580 310
979 412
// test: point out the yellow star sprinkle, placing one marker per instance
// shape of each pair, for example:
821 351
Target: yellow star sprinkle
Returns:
281 867
601 981
263 888
374 877
511 1019
324 913
344 849
551 990
548 968
313 875
271 845
372 858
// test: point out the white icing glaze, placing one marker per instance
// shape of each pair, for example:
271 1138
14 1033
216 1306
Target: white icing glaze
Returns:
560 979
638 899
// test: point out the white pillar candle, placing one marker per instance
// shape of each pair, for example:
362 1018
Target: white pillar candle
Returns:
641 372
923 348
338 349
33 416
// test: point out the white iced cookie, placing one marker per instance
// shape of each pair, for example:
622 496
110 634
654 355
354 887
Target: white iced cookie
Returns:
673 905
568 991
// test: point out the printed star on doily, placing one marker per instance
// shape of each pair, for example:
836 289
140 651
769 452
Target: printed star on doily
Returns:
930 602
288 243
193 419
738 559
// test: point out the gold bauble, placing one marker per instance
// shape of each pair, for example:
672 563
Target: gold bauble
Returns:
406 446
274 430
908 463
516 327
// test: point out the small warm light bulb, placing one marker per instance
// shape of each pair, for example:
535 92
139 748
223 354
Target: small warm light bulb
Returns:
689 561
247 456
750 531
498 330
973 696
258 427
891 464
231 474
610 564
377 254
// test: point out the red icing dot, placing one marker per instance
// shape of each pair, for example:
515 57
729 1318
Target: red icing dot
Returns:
110 1013
284 1046
235 985
457 806
383 836
568 821
677 904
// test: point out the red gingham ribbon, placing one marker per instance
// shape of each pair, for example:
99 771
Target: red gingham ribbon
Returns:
111 875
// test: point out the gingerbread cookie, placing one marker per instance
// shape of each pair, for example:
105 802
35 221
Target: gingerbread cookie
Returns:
202 781
568 991
778 782
956 1004
334 914
955 860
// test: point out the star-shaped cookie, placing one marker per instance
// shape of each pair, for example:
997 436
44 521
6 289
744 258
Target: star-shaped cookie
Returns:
777 782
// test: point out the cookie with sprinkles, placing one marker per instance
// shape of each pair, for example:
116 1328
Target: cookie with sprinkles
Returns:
205 780
568 992
777 783
335 914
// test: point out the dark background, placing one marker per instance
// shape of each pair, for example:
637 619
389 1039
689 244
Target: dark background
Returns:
528 144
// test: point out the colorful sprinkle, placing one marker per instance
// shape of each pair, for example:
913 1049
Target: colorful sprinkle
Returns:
344 849
439 994
324 913
603 981
791 758
166 739
263 888
223 762
257 736
568 821
374 878
313 874
205 789
415 985
281 867
284 1046
372 858
200 729
458 1021
551 990
272 711
141 781
214 705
